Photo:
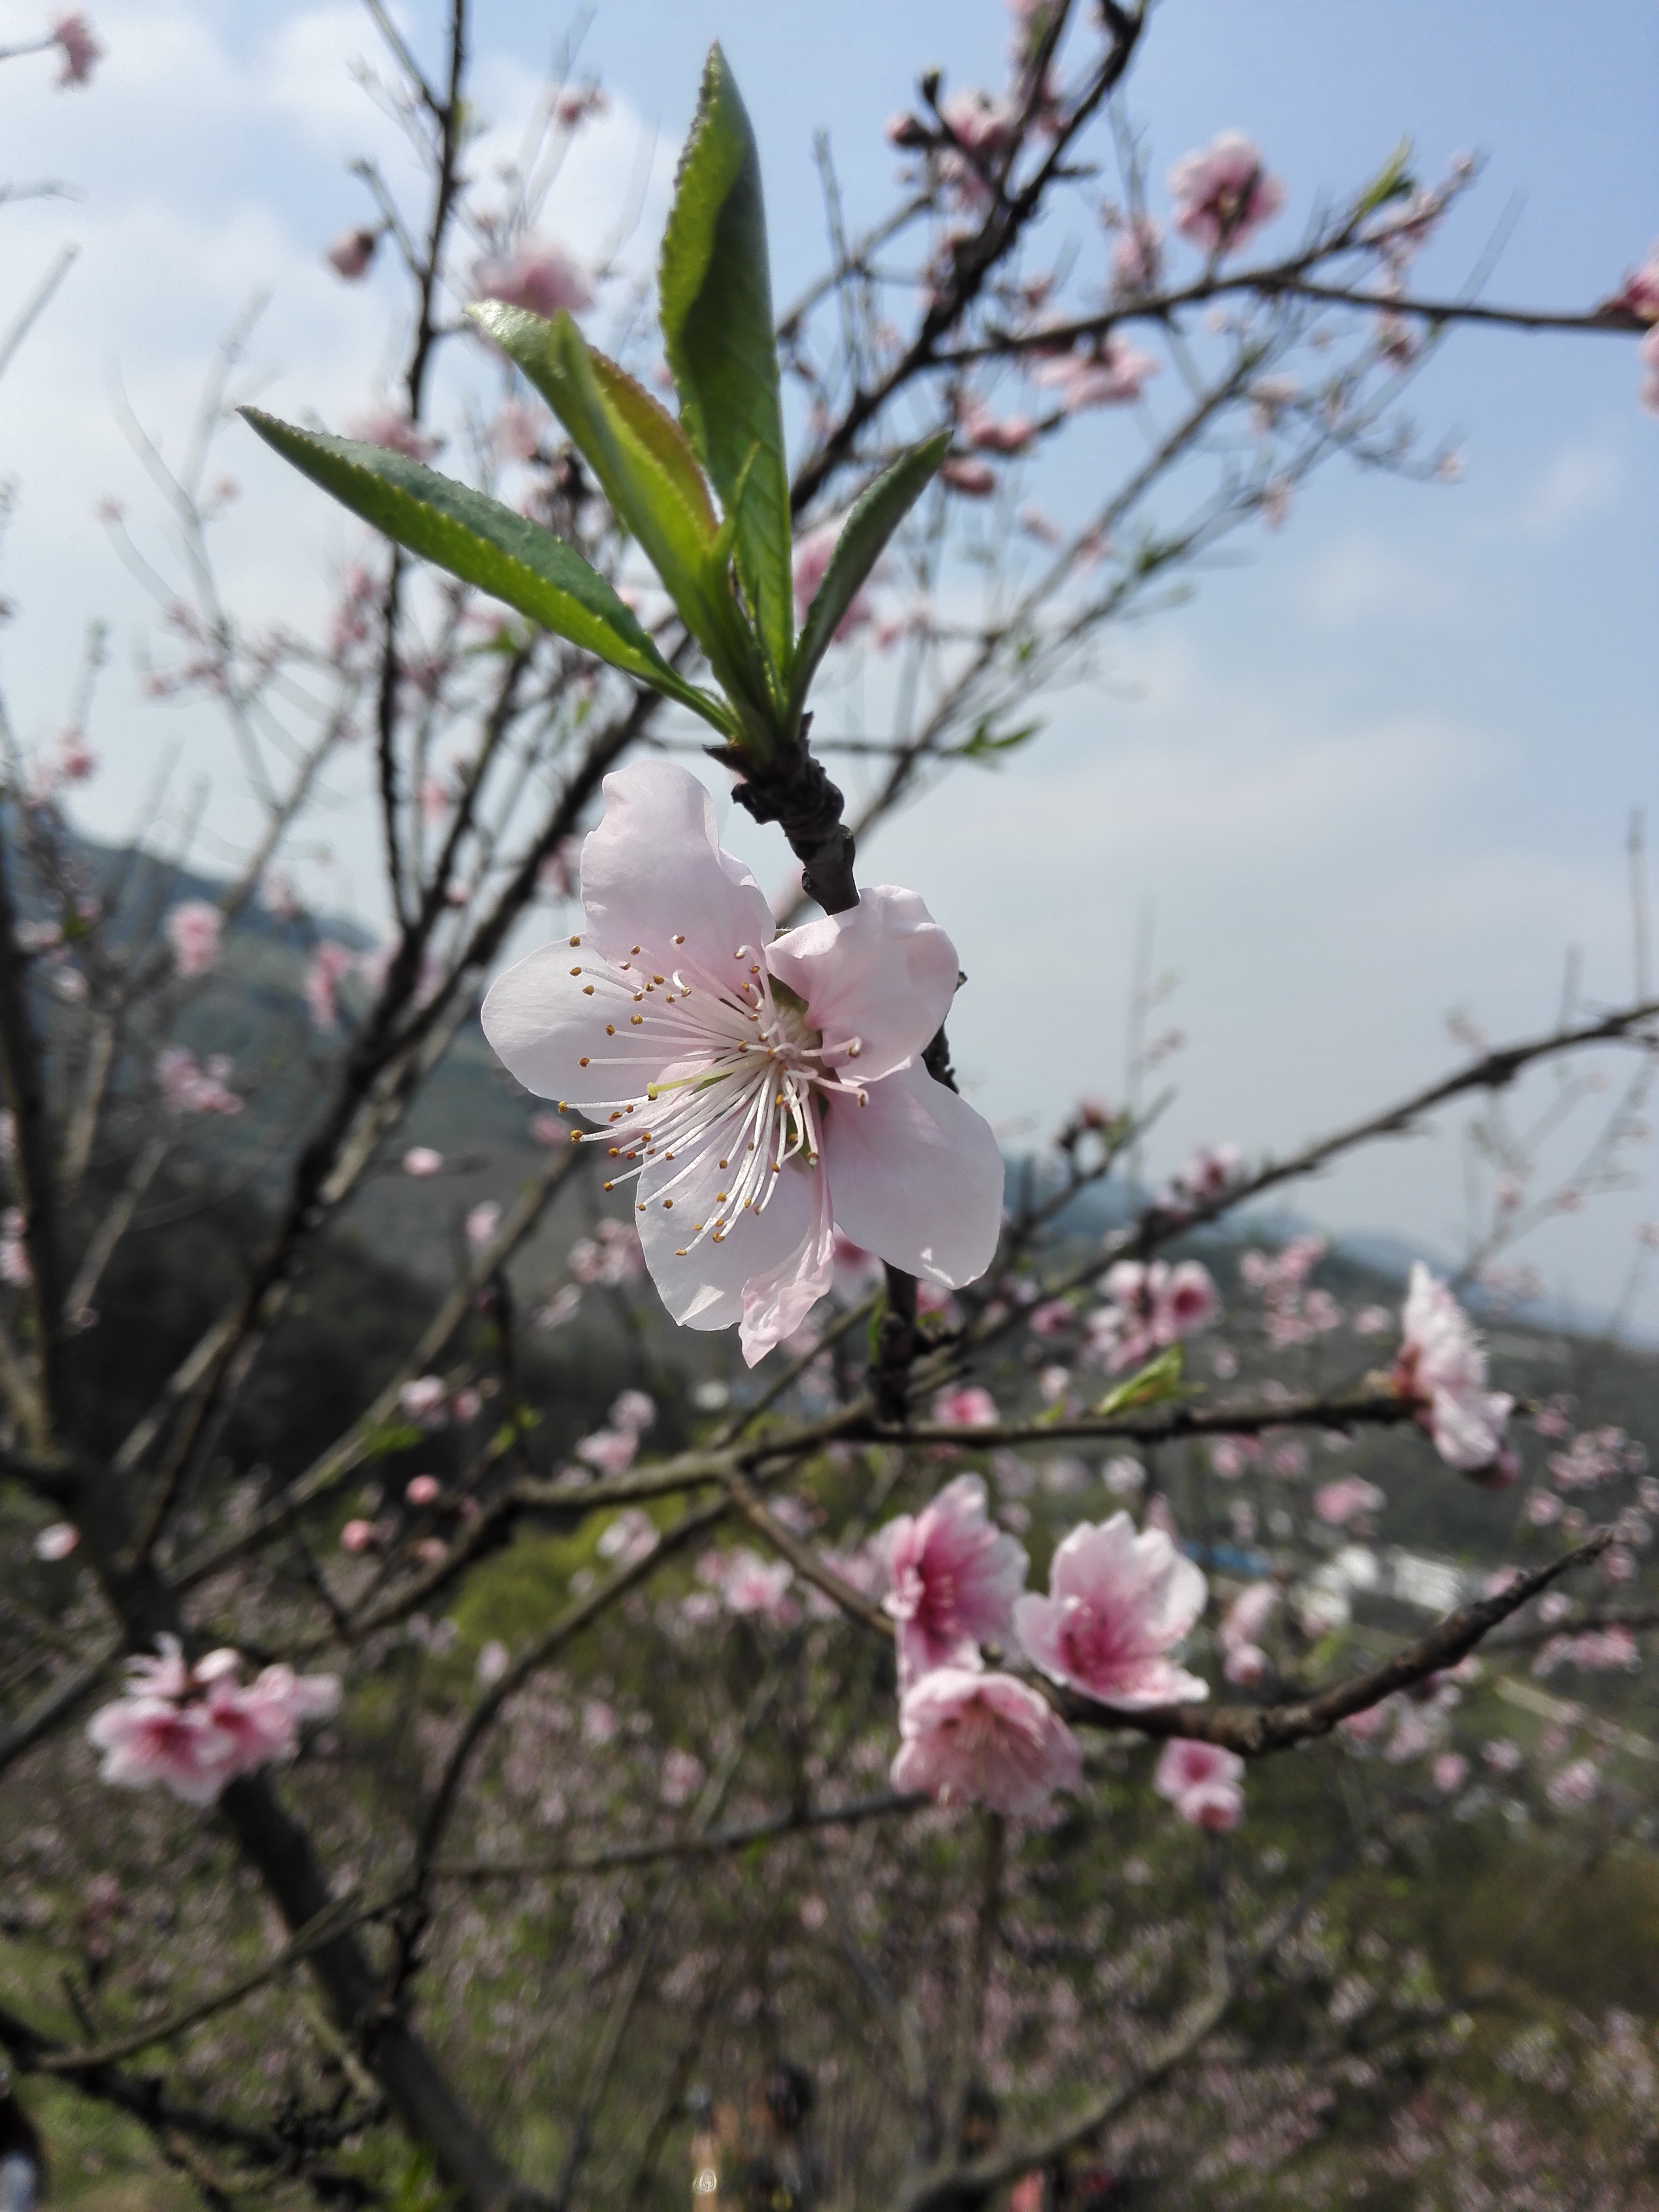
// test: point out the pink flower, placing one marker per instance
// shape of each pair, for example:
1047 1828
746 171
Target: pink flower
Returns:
1639 293
991 434
15 1266
1110 376
539 275
1223 195
965 1406
756 1120
812 555
386 427
631 1537
1450 1772
635 1411
1242 1660
188 1087
356 1536
974 1738
1138 255
1649 352
193 930
482 1223
1573 1786
352 252
57 1541
1210 1173
1201 1781
76 761
612 1255
73 36
1153 1305
683 1775
195 1728
548 1129
421 1161
755 1588
978 123
611 1451
426 1399
1442 1368
954 1578
1337 1503
423 1490
329 966
1118 1603
972 479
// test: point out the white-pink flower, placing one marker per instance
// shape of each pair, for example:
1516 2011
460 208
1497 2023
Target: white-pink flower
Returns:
421 1161
1639 293
193 930
1223 194
762 1091
1118 1603
754 1588
352 252
612 1451
973 1739
1242 1660
1153 1304
1442 1368
1201 1781
482 1223
189 1086
81 48
1138 255
327 968
426 1399
965 1406
1338 1502
539 275
953 1578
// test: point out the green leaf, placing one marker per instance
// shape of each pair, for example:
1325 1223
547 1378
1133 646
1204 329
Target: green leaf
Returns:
876 514
1151 1385
988 744
1393 182
487 545
715 291
649 474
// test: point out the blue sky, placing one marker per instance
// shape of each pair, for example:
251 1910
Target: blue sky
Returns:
1379 770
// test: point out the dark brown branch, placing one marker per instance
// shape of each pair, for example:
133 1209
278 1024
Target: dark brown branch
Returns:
26 1092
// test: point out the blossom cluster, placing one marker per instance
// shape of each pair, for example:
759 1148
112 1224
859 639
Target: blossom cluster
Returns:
194 1728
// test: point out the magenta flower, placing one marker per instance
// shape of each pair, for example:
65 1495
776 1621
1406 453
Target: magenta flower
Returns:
954 1577
762 1091
974 1738
1117 1604
539 277
1442 1368
193 929
1223 195
1201 1781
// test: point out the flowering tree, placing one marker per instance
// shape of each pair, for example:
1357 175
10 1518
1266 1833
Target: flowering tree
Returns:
970 1821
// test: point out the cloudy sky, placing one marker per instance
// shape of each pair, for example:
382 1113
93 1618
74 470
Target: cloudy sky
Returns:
1378 771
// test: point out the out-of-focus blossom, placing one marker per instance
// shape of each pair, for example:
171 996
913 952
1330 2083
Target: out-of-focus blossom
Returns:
193 929
1638 295
57 1541
1572 1787
757 1589
612 1451
954 1577
1208 1175
1450 1772
755 1121
421 1161
980 125
965 1406
276 894
612 1255
482 1223
15 1268
630 1538
1224 195
1118 1604
1502 1755
1203 1782
193 1730
81 50
352 253
494 1660
330 964
563 1307
1339 1502
1113 373
548 1129
992 433
633 1411
1649 389
426 1400
972 479
356 1536
1137 260
1239 1636
1151 1304
539 275
386 427
1442 1370
967 1738
192 1086
1599 1650
683 1775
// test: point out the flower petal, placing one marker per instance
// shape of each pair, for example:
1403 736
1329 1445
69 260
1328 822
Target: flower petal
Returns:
915 1176
702 1283
882 974
542 1027
654 872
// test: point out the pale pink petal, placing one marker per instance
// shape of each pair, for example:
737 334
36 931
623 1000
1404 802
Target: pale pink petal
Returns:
915 1178
971 1739
554 1038
699 1279
880 977
654 872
